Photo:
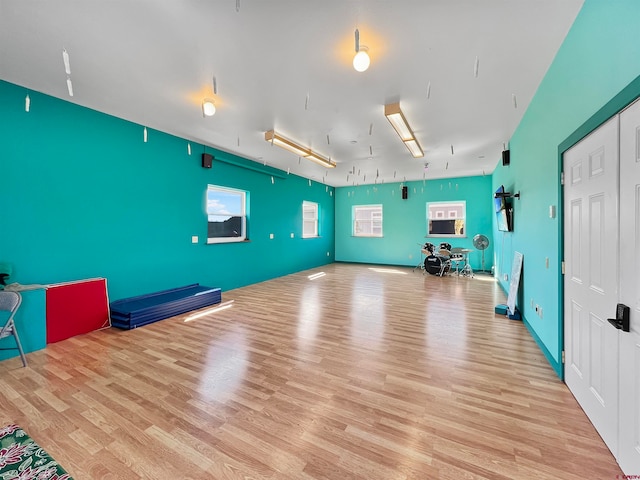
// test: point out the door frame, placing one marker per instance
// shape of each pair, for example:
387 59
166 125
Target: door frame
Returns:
619 102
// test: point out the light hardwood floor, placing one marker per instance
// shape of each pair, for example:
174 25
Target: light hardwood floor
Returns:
366 372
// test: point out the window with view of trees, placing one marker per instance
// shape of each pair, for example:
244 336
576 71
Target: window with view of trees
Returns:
226 214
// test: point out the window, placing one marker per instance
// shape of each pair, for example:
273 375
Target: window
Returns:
309 219
226 214
446 219
367 221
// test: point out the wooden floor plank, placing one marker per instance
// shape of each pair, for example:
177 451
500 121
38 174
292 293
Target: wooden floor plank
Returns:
366 372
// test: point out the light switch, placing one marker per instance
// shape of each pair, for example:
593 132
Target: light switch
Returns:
292 235
271 236
194 239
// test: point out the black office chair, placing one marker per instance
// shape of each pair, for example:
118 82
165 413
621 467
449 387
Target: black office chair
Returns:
10 302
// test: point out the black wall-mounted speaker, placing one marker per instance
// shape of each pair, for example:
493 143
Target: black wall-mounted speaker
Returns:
405 193
207 160
506 158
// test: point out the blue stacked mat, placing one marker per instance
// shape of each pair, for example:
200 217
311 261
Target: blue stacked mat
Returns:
135 312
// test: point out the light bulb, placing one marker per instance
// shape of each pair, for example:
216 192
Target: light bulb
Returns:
208 108
361 61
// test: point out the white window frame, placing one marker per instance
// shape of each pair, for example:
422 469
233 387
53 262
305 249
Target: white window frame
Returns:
242 214
446 211
309 219
363 227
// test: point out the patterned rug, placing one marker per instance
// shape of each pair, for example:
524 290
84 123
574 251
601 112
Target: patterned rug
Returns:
23 459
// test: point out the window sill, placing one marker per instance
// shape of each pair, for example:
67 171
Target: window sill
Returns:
245 240
445 236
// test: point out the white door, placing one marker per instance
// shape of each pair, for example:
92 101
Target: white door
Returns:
591 277
629 447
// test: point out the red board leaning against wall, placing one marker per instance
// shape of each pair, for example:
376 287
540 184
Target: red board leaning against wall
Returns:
75 308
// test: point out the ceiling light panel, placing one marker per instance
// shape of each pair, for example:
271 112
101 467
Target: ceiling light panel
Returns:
397 120
414 148
401 126
319 159
290 146
293 147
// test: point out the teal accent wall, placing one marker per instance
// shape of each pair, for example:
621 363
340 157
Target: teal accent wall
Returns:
83 196
597 61
405 221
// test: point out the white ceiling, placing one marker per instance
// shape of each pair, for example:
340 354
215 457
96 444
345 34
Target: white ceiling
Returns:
286 64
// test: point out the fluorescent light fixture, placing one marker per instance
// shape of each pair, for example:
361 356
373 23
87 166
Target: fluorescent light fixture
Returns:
282 142
293 147
325 162
414 148
397 120
208 107
401 126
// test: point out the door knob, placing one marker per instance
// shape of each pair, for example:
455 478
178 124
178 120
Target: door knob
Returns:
621 322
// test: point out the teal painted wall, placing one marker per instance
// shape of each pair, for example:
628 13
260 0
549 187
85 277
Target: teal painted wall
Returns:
405 221
83 196
597 60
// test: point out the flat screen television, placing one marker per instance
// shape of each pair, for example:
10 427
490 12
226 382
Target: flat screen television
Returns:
504 211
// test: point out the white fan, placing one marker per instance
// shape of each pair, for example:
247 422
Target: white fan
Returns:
481 242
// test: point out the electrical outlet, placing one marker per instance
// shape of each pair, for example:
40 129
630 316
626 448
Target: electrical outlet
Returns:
292 235
328 254
194 239
271 236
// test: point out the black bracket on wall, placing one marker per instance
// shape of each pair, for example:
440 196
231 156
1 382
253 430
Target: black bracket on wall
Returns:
507 195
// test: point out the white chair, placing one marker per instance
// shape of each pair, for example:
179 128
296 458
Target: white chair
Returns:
10 302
